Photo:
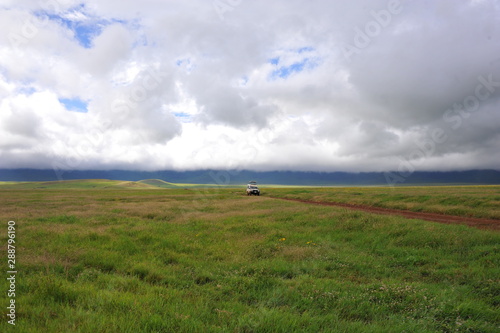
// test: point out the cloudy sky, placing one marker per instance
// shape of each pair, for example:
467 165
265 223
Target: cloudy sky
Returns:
250 84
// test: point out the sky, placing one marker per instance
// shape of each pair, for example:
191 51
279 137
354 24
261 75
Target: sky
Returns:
313 85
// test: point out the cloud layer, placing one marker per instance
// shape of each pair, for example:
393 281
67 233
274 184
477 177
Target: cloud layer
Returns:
281 85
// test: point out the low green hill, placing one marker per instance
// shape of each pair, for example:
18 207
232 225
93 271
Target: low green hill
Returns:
163 184
75 184
105 183
158 183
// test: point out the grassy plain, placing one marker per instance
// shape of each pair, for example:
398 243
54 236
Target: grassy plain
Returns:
470 201
214 260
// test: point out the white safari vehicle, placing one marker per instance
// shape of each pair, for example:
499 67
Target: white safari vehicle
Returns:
252 188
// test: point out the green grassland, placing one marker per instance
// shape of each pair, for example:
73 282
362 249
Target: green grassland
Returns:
118 258
472 201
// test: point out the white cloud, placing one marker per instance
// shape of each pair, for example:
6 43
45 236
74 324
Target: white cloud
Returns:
263 85
110 49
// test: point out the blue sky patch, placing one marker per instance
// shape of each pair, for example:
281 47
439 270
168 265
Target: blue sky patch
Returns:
274 61
305 49
183 116
185 63
74 104
285 71
84 26
85 34
28 91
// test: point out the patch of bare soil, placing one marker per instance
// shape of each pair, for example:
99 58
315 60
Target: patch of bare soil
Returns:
434 217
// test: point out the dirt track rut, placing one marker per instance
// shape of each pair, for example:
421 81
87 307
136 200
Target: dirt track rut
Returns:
434 217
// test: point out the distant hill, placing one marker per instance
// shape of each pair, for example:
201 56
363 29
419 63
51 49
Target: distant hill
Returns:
158 183
169 178
76 184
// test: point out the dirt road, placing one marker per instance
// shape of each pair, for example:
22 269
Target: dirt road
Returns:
434 217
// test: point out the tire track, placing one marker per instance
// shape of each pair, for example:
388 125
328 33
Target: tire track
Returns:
475 222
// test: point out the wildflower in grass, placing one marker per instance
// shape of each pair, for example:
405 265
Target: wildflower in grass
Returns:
282 239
